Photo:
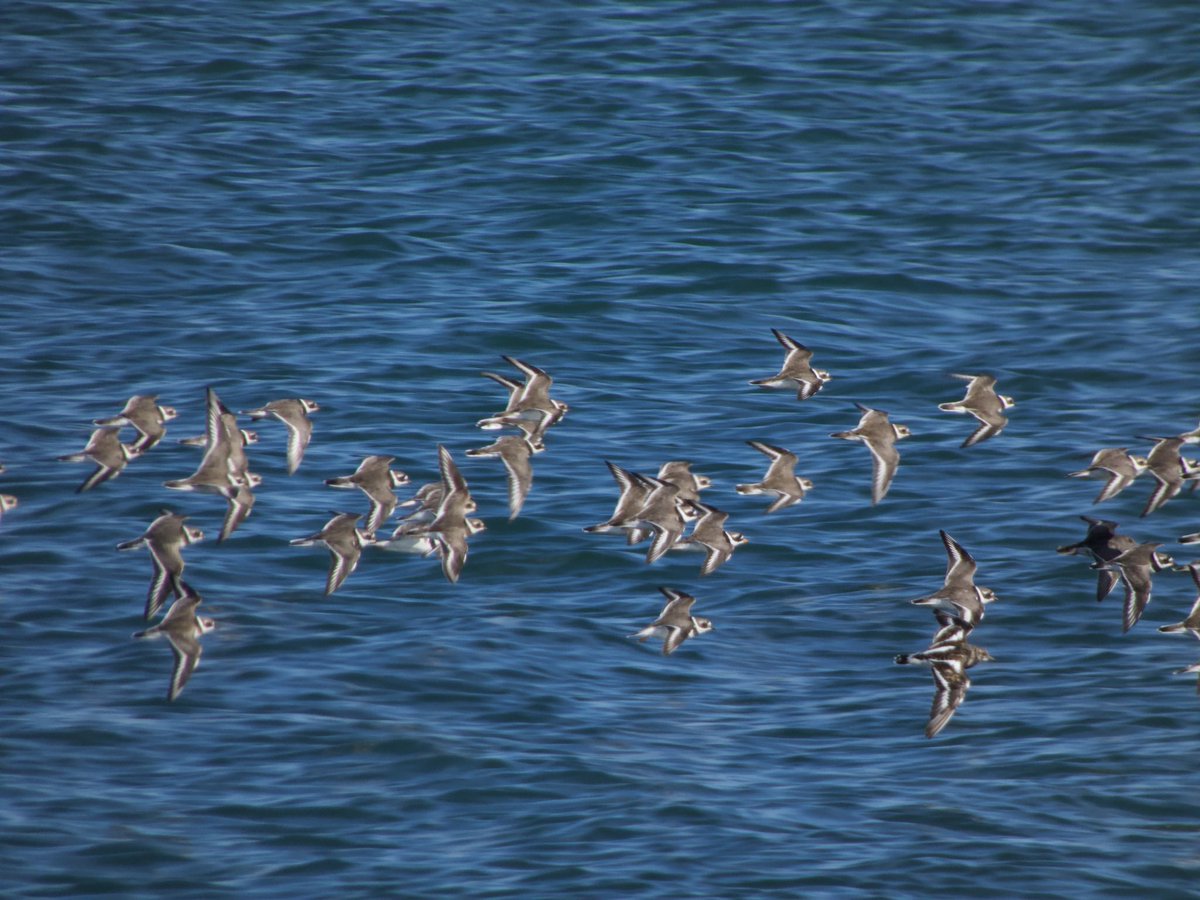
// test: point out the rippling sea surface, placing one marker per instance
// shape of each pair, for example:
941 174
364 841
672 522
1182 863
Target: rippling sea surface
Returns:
366 205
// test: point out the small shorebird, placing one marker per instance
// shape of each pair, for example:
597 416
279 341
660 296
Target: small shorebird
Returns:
982 402
781 478
675 624
797 372
183 629
880 435
294 413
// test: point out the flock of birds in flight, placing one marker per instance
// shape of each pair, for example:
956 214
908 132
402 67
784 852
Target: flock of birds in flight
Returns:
657 508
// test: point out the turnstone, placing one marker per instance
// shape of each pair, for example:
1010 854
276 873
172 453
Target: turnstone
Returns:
880 435
781 478
797 372
183 629
1190 624
675 624
1166 465
143 412
105 449
1102 544
709 535
634 491
294 414
376 478
1118 465
514 451
948 660
982 402
345 542
165 538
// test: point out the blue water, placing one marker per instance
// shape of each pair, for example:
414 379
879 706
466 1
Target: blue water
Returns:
366 205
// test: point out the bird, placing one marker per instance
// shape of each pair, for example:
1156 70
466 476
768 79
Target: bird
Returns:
427 499
1165 464
1194 668
1117 464
376 478
982 402
530 406
662 515
105 449
514 451
1191 623
797 372
880 435
417 538
1102 544
679 473
634 491
1136 566
451 526
144 413
223 469
948 660
675 624
183 629
294 413
709 535
781 478
7 502
165 538
345 542
959 600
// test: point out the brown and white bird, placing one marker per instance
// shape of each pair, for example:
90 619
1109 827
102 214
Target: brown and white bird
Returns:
183 629
514 450
294 413
634 491
959 601
1136 566
948 660
1116 464
880 435
143 413
709 535
165 538
982 402
781 478
223 469
797 372
688 484
1191 623
451 525
675 624
345 542
376 478
530 406
1165 463
105 449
